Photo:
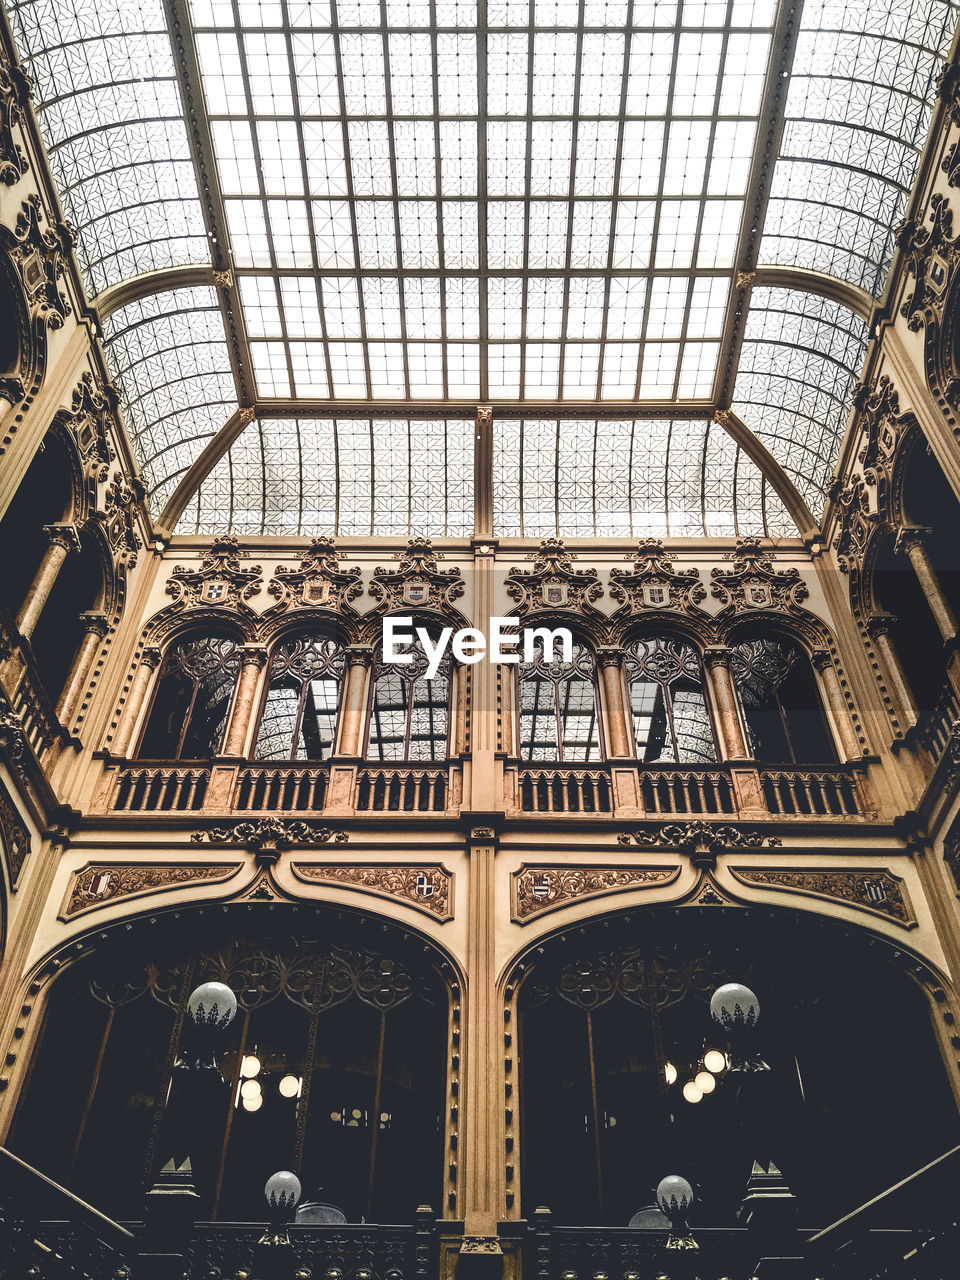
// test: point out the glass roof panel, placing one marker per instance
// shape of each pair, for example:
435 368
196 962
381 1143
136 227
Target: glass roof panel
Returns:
628 477
345 476
168 357
859 104
109 108
800 361
399 235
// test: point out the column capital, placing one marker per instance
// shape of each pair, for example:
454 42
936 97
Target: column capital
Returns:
881 624
360 655
63 535
716 655
822 659
94 622
253 655
609 655
152 656
911 535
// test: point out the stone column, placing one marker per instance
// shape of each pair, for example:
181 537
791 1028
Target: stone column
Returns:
904 704
359 660
150 659
95 627
716 665
609 660
912 541
832 694
253 658
62 540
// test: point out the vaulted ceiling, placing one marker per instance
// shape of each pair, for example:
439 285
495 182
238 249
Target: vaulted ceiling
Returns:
357 221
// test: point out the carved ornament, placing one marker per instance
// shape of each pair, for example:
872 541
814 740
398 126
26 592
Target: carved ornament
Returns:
40 253
121 507
855 523
754 584
220 581
654 584
100 883
932 253
537 889
12 389
553 585
875 890
15 836
417 585
428 888
270 835
319 583
701 841
14 95
13 740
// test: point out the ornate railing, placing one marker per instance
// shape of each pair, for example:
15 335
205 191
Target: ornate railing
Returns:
933 732
811 793
281 788
160 788
37 715
402 789
565 791
382 1253
686 791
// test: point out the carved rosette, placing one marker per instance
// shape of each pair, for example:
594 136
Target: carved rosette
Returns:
220 581
318 584
754 584
553 585
15 836
98 884
417 585
40 252
876 890
428 888
537 889
655 584
14 95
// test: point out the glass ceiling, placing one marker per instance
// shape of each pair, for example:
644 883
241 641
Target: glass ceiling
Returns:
445 202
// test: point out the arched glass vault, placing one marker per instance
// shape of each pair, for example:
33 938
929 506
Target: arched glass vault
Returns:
540 203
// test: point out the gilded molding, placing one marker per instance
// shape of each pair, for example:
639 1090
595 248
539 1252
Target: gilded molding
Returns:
875 890
100 883
538 889
427 888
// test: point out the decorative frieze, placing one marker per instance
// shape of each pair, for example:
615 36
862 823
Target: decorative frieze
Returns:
428 888
876 890
553 585
318 584
537 889
270 835
754 584
700 837
655 584
100 883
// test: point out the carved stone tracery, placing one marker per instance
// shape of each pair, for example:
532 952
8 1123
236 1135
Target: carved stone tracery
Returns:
655 584
537 889
319 584
754 584
428 888
553 585
417 585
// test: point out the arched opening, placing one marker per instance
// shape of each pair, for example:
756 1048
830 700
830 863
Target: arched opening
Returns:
299 717
559 720
56 637
671 723
10 305
192 700
780 700
43 497
913 631
334 1068
409 713
930 503
604 1014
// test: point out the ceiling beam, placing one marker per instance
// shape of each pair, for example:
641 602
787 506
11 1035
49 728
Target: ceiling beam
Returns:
162 280
201 467
847 295
771 470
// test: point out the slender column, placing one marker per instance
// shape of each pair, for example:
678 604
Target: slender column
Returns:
359 658
63 540
912 541
829 683
95 627
253 658
879 628
609 661
716 663
149 661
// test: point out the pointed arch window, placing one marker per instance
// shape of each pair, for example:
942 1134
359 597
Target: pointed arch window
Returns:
781 705
558 708
409 714
671 723
192 701
299 718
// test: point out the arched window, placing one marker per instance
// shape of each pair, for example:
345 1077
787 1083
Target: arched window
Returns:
194 692
43 497
409 714
781 704
558 709
299 719
671 724
343 1044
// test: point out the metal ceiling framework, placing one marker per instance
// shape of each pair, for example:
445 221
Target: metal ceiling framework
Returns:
240 291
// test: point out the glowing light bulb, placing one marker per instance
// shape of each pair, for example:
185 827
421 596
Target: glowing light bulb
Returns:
670 1073
250 1066
705 1082
715 1060
290 1086
250 1089
253 1104
691 1092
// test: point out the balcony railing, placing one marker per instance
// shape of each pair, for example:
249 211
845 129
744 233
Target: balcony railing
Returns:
284 788
687 791
160 788
402 789
565 791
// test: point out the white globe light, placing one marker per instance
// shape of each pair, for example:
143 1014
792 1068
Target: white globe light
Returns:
670 1073
674 1195
290 1087
253 1104
250 1066
691 1092
282 1190
212 1005
705 1082
250 1089
715 1060
733 1005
